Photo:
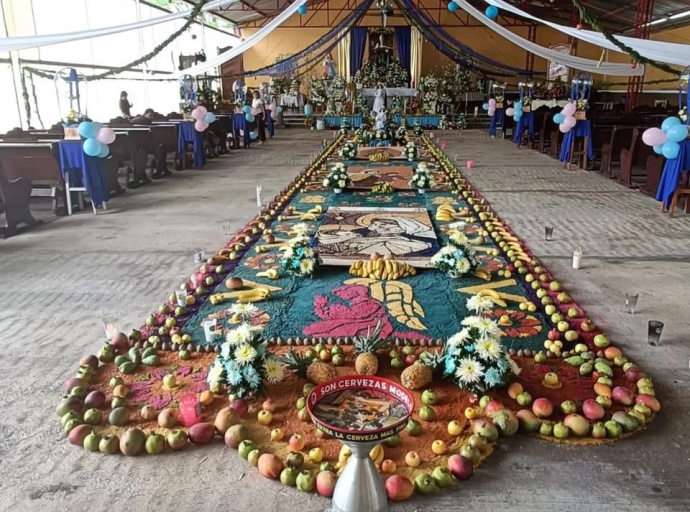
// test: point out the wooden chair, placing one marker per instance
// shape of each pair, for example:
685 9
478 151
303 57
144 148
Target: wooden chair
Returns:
683 191
627 158
655 166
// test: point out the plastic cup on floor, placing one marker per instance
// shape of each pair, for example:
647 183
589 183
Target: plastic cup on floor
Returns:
548 233
631 302
655 327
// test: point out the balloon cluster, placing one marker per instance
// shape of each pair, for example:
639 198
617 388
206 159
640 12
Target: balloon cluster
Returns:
97 137
308 110
491 12
203 118
565 119
516 111
490 107
666 141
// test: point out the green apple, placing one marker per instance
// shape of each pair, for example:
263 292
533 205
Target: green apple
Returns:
560 431
571 336
524 399
397 363
540 357
408 350
394 354
604 401
336 350
318 348
587 326
301 403
484 401
546 429
443 478
601 341
424 484
563 298
427 413
414 428
563 326
541 292
429 397
544 278
478 442
568 407
555 286
529 278
536 286
572 313
550 309
557 317
338 360
306 481
289 476
393 441
613 429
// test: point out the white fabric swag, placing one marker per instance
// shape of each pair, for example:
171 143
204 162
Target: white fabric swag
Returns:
588 65
23 42
243 46
660 51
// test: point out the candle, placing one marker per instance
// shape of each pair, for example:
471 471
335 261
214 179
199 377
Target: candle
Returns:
259 196
181 296
577 258
470 164
210 330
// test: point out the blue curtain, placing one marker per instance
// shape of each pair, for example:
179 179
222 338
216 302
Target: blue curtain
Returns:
403 40
358 40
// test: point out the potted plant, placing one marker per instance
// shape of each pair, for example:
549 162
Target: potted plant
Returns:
337 178
71 125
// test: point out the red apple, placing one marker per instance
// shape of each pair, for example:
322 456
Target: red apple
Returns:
240 407
410 360
399 488
461 467
493 407
296 442
325 483
554 334
542 407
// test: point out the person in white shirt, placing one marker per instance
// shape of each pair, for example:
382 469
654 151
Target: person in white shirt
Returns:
259 106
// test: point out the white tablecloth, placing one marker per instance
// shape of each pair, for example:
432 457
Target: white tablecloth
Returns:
390 91
289 101
548 103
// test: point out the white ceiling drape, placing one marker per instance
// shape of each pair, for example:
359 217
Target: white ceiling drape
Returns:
660 51
580 63
214 62
23 42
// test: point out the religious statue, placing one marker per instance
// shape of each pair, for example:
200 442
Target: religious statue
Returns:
329 65
238 90
264 91
379 99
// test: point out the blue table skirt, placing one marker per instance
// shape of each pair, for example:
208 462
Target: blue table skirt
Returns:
188 134
334 122
270 124
583 128
671 174
526 121
498 119
240 123
423 121
84 171
379 143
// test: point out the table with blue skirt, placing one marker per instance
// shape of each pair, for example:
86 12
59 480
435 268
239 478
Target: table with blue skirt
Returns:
334 122
582 129
423 121
498 119
81 171
239 123
670 176
187 134
526 122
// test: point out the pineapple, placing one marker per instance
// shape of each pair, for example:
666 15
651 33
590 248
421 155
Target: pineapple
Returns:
314 371
366 362
417 376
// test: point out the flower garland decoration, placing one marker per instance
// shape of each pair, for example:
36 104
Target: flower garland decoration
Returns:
244 364
457 258
348 151
411 151
337 177
474 358
299 258
381 187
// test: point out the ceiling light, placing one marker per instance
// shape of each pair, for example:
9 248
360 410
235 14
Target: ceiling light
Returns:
679 15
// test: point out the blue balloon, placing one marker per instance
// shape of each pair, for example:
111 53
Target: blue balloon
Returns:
95 126
210 117
677 133
92 147
670 150
254 135
559 118
279 109
657 149
518 106
669 122
302 9
105 151
485 106
86 130
246 109
452 7
517 116
308 110
249 118
492 12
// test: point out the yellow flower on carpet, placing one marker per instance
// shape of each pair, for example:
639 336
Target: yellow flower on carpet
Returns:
488 349
469 370
300 229
463 265
245 354
239 335
275 371
306 266
243 309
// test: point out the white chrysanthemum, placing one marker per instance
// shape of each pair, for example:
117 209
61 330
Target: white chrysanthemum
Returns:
488 349
471 321
488 328
479 304
243 310
298 239
215 373
341 184
459 238
306 266
245 354
469 370
275 370
256 328
288 252
459 338
463 265
514 367
308 252
300 229
447 250
239 335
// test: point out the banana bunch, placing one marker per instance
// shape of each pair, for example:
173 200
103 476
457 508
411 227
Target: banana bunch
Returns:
254 295
382 269
399 300
271 273
446 213
308 217
494 297
483 274
376 454
379 157
316 210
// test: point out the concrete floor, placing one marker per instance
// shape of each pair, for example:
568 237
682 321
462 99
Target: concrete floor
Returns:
58 281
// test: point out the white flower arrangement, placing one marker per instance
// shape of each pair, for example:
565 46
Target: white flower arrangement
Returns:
411 151
421 181
474 357
348 151
344 127
457 258
299 258
244 363
337 177
683 114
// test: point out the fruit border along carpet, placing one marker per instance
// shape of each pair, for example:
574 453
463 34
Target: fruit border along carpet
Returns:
577 390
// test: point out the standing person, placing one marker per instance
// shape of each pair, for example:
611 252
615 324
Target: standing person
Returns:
125 105
259 107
